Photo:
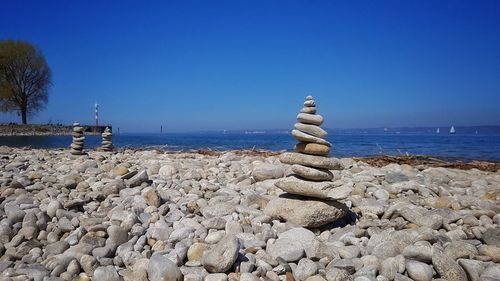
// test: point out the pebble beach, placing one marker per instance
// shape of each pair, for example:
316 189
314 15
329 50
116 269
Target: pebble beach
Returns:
154 215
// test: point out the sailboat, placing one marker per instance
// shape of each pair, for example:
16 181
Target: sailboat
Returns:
437 131
452 130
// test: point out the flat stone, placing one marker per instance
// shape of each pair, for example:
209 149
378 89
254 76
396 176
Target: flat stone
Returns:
307 118
303 137
312 130
321 190
303 211
311 161
312 173
312 148
308 109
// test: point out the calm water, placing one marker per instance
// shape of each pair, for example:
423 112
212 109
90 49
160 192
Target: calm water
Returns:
467 146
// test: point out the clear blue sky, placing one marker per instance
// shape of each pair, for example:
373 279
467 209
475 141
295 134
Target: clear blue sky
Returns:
213 65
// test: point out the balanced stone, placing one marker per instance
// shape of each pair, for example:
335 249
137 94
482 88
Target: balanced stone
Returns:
311 161
312 173
311 130
310 119
309 103
312 148
106 143
312 178
78 140
303 137
307 109
321 190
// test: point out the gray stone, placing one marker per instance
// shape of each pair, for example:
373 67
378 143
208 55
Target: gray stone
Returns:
312 119
314 174
311 130
305 268
138 179
117 235
303 211
303 236
491 273
311 161
418 252
161 268
335 274
106 273
56 248
460 249
216 277
472 268
389 268
303 137
222 256
491 236
419 271
287 249
245 276
267 171
218 210
52 207
448 268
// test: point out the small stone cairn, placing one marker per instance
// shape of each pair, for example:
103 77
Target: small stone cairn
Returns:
106 143
78 140
311 195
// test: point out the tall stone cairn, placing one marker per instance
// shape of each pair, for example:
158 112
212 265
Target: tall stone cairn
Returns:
106 143
311 195
78 140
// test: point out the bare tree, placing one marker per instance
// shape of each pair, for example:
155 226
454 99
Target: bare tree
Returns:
25 78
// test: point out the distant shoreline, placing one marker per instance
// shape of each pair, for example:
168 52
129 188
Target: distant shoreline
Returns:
7 130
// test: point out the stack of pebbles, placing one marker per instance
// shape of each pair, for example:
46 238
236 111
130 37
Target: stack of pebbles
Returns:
311 195
78 140
106 143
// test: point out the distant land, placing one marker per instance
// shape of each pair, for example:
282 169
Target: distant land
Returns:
443 130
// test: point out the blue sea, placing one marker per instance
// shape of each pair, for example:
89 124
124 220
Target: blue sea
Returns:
468 144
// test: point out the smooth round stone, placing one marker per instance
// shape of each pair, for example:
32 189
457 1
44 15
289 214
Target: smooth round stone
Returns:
312 173
419 271
76 124
309 103
311 130
310 110
313 119
303 211
303 137
311 161
78 139
312 148
309 97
